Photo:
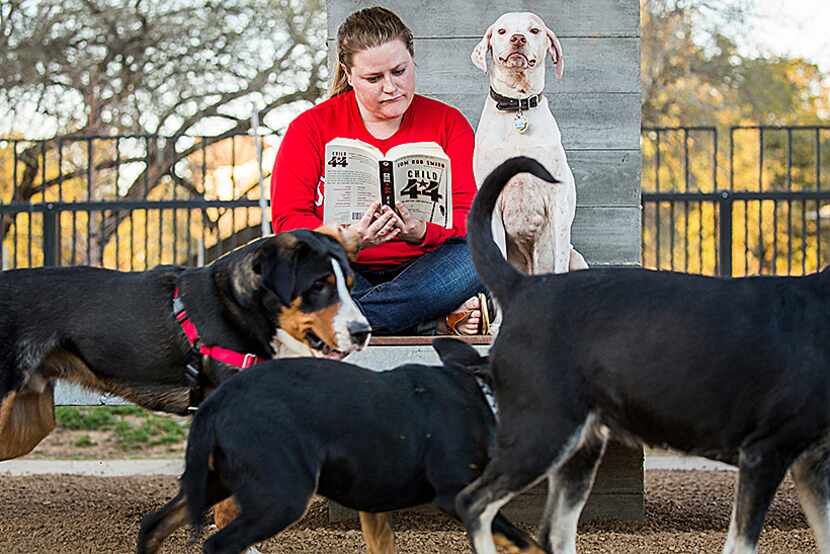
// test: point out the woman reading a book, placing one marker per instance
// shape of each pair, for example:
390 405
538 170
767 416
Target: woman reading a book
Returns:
412 276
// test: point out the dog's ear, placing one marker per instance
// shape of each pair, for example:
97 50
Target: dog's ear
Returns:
555 51
479 55
271 264
456 353
245 276
280 273
348 239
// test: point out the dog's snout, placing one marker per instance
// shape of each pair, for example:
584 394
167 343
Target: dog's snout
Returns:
359 331
518 39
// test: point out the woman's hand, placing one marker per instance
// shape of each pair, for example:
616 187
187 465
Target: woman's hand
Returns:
376 226
411 229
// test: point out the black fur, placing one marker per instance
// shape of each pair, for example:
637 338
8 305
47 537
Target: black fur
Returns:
737 370
375 442
120 325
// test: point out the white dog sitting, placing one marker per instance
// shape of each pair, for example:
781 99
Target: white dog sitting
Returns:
532 223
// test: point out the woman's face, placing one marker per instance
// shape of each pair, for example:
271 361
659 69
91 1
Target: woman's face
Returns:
383 79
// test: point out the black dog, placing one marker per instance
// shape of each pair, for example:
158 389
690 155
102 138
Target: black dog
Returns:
737 370
116 332
375 442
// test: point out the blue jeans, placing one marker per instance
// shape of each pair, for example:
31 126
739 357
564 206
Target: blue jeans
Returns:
408 299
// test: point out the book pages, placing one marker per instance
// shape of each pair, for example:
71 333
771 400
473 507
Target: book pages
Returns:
416 174
422 184
352 182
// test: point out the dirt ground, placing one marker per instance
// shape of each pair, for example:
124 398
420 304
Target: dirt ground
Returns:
685 512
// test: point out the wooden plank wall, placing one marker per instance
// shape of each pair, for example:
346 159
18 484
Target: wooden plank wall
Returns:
597 102
597 105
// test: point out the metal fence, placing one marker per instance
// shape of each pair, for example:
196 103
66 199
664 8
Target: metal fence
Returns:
758 206
130 202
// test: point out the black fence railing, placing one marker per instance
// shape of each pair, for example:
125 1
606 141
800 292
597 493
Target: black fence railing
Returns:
759 204
133 201
771 218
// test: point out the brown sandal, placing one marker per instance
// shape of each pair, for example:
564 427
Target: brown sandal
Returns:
453 320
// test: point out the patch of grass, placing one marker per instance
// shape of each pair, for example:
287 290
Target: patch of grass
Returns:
151 431
127 410
85 441
84 419
131 426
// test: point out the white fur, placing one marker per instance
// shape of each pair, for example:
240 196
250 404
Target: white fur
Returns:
563 529
808 473
348 313
817 511
483 537
536 215
735 544
565 514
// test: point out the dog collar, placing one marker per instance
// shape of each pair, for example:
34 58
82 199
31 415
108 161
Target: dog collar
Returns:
489 397
193 367
507 104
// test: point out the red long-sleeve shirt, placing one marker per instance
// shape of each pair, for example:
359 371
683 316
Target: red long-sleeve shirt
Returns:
297 181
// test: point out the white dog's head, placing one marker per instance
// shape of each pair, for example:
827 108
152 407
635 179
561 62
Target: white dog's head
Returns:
519 41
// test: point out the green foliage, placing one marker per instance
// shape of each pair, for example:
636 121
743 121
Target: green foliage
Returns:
86 419
132 427
694 73
127 410
152 431
85 442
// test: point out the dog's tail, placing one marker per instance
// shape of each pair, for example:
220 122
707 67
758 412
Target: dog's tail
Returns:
495 271
201 444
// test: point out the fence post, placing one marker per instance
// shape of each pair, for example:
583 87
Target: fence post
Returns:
51 241
725 232
263 195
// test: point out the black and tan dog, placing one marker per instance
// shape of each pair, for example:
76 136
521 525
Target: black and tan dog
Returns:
737 370
123 333
372 441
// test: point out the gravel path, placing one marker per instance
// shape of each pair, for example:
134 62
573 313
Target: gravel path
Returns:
686 511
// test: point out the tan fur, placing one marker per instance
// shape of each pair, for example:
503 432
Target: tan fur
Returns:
511 548
377 532
296 323
350 241
25 419
225 512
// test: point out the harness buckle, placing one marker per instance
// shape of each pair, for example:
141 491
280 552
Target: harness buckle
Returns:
191 373
248 360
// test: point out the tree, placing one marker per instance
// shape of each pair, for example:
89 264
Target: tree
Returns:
692 72
176 68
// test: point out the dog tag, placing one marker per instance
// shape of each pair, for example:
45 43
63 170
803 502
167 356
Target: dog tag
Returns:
520 122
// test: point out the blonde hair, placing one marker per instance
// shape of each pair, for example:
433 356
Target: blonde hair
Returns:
363 29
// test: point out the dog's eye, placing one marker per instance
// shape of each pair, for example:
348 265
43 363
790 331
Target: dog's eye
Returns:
502 31
318 286
535 31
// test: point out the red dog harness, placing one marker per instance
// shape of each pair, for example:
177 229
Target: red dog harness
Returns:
198 349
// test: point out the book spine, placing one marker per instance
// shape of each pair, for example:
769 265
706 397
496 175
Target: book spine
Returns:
387 184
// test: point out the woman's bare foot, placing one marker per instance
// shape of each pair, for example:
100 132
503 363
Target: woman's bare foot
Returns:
464 320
